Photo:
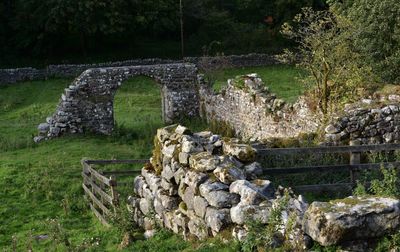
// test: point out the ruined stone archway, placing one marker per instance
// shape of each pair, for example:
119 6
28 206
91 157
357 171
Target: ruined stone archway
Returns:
87 104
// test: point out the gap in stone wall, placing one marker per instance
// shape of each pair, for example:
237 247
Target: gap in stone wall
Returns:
142 97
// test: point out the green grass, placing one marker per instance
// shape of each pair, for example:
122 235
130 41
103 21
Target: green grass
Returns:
40 184
280 79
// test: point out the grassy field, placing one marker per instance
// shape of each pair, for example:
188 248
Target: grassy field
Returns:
280 79
41 204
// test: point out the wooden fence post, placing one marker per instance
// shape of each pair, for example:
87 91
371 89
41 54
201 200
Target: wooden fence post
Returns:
355 159
114 192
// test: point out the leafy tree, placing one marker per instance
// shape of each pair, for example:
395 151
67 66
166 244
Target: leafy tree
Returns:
378 33
326 52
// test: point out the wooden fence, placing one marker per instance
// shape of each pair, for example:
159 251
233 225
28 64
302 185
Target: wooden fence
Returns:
353 167
101 187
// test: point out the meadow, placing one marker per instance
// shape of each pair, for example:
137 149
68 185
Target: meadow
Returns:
42 206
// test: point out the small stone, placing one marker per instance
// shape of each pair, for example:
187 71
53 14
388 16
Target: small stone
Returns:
183 158
194 179
169 150
43 127
188 197
200 206
164 134
250 194
331 129
179 175
198 227
242 213
239 233
181 130
191 145
169 203
217 219
138 183
38 139
227 172
253 170
167 173
216 196
149 233
170 189
145 206
203 162
243 152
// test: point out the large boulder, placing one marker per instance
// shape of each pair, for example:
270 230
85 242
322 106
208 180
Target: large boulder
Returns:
352 218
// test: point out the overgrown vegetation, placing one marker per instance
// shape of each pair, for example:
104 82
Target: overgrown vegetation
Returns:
337 74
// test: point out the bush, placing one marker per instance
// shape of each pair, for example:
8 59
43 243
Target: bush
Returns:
336 72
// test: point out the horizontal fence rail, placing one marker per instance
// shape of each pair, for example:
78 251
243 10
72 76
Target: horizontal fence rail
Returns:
100 187
328 149
353 167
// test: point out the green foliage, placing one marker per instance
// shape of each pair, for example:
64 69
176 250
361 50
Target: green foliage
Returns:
386 186
389 186
360 190
325 50
389 243
263 237
377 33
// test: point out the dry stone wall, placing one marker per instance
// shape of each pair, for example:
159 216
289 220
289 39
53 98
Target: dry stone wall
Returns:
199 185
254 113
367 122
74 70
87 104
21 74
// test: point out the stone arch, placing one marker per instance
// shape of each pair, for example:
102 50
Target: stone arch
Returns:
87 104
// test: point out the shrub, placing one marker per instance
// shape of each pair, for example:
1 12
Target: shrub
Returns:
325 50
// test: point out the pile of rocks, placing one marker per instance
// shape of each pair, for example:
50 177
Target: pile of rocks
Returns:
201 184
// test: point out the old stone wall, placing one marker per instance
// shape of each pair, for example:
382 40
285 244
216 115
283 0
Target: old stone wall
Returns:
87 104
74 70
198 184
21 74
367 122
254 113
